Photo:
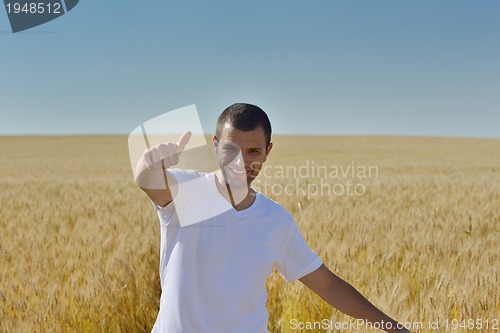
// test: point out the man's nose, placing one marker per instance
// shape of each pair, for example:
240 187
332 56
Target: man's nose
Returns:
251 162
240 162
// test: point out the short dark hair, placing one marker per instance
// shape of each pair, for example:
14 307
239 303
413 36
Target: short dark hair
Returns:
244 117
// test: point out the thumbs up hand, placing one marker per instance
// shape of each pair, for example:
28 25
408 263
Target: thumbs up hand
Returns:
165 155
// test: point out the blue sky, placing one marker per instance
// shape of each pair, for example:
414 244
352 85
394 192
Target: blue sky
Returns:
388 67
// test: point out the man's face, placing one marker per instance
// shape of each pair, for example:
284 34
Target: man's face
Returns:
241 153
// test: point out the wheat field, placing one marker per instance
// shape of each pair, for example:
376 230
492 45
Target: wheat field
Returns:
413 223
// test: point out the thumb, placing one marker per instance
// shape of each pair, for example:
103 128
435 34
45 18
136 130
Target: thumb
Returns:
183 141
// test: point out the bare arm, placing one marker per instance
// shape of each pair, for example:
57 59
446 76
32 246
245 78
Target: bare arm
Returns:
151 173
341 295
153 183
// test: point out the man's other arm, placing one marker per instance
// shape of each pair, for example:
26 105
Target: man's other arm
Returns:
343 296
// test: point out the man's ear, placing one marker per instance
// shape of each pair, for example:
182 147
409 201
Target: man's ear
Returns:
268 149
215 141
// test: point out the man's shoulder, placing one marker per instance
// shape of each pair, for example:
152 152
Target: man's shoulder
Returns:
183 175
273 206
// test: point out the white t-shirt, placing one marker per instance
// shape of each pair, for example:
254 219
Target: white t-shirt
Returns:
213 273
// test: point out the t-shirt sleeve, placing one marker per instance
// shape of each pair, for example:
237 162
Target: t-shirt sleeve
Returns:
196 199
298 259
167 213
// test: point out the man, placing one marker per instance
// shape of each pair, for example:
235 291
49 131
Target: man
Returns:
213 266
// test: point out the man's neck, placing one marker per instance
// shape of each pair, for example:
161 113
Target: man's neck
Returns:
239 198
247 202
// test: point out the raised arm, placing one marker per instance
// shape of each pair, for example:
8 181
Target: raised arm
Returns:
341 295
151 171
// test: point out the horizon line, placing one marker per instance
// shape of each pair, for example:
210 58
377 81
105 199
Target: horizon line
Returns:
274 134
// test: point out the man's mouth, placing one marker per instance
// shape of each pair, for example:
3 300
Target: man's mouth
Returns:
237 170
